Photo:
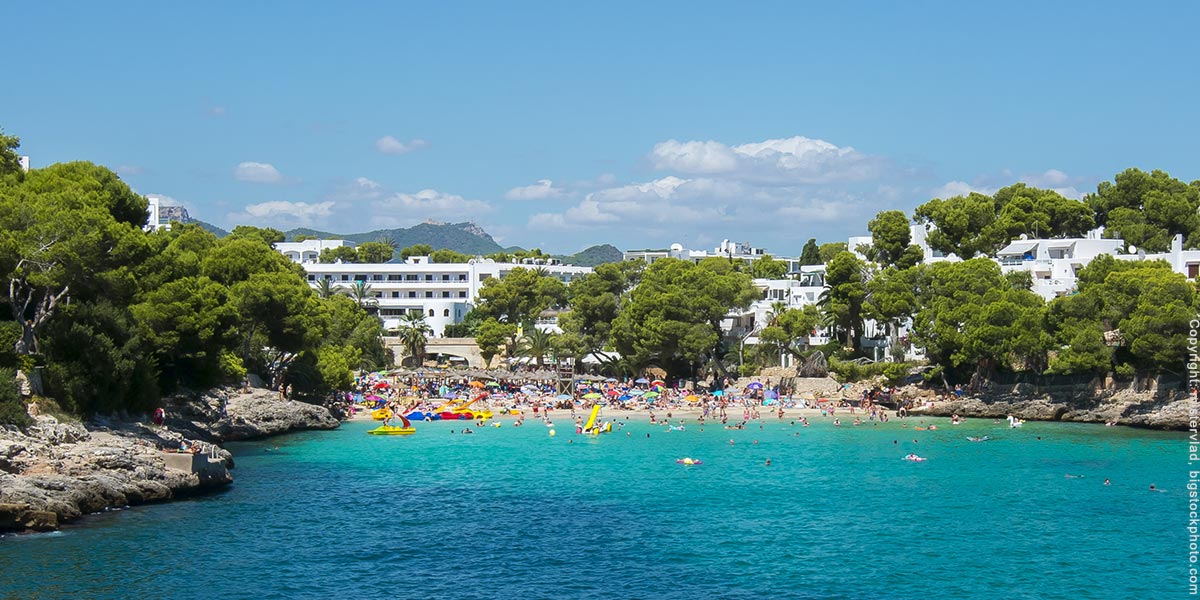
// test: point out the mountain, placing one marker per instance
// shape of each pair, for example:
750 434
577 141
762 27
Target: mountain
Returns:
467 238
596 255
209 227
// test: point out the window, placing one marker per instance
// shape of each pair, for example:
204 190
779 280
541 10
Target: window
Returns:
445 278
484 276
1193 270
345 278
395 278
429 295
312 277
410 277
412 294
446 313
377 278
462 294
431 312
428 277
445 294
395 294
359 277
462 277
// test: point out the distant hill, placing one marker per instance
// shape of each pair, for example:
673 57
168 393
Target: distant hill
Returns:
467 238
209 227
596 255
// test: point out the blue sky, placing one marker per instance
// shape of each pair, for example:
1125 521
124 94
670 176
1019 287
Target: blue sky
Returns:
562 125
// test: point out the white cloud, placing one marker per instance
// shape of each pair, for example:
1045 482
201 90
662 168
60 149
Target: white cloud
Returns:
390 145
676 204
1056 180
398 208
960 188
790 160
164 200
128 170
544 189
257 172
284 214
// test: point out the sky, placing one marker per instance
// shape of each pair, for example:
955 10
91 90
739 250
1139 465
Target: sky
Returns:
566 124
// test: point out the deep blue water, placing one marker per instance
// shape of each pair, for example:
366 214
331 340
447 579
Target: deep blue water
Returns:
515 513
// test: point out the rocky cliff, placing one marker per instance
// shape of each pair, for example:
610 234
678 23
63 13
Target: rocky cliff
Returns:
54 472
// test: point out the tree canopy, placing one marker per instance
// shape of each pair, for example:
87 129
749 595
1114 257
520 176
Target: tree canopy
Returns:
1148 209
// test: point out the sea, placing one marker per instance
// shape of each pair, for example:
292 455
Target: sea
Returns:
539 511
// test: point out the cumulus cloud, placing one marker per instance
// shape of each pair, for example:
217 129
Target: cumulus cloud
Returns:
399 208
790 160
284 214
960 188
674 203
390 145
1056 180
544 189
257 172
164 200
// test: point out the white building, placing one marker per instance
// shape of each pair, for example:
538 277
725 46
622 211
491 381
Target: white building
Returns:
309 251
1054 263
1185 262
918 235
24 162
442 292
742 251
154 221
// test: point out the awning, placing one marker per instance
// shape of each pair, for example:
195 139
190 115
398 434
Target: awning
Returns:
1017 249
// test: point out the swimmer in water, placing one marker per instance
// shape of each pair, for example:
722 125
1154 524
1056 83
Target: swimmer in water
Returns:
1070 476
768 462
1106 482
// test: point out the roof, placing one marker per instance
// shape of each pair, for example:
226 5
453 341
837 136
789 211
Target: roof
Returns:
1017 248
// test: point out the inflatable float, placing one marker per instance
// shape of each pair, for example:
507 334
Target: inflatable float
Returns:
688 461
914 458
405 429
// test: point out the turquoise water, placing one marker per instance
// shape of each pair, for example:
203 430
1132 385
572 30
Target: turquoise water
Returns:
514 513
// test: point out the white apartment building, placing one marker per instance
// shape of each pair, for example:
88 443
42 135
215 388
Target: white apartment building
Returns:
742 251
309 251
442 292
1054 263
24 162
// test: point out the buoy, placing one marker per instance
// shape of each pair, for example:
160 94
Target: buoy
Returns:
551 433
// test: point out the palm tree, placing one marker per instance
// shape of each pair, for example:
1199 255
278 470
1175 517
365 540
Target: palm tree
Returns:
326 289
363 295
535 344
413 333
777 309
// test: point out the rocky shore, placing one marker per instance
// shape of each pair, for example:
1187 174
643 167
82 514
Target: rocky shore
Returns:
1125 407
54 472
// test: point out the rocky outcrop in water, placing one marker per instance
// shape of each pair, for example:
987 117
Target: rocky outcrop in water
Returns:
227 415
1151 409
54 472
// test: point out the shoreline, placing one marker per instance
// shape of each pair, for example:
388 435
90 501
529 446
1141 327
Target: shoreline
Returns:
54 473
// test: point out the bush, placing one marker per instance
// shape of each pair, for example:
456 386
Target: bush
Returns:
231 366
12 409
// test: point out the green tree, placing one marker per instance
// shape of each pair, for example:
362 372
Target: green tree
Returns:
972 317
186 324
767 267
788 325
830 250
491 335
845 292
446 256
520 296
811 254
535 343
326 289
890 237
1148 209
374 253
278 318
363 295
414 332
63 229
10 161
893 296
266 235
343 254
672 318
595 300
416 250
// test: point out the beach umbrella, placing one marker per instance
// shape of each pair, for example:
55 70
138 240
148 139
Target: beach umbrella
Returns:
658 382
651 394
642 380
562 397
592 396
692 398
492 384
625 398
636 392
754 385
382 384
611 380
718 393
476 384
771 394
